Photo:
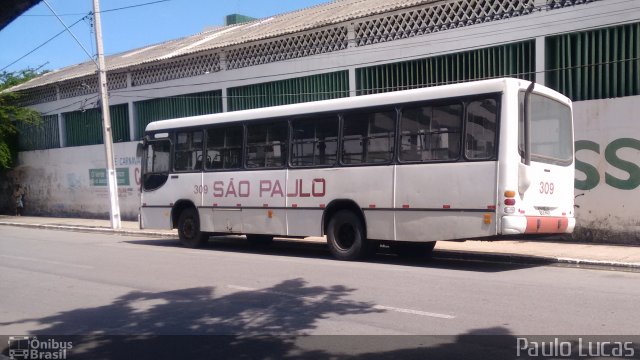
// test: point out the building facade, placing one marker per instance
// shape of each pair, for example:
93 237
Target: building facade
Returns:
588 50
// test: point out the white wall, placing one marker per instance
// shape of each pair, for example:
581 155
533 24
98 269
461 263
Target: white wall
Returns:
607 134
67 182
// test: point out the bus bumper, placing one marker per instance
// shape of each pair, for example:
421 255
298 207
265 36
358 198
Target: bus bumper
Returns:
514 225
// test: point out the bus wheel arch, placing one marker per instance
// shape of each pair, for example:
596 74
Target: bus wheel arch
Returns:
337 205
186 219
345 226
179 207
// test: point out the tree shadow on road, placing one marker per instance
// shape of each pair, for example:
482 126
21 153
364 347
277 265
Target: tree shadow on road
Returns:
270 317
290 306
271 323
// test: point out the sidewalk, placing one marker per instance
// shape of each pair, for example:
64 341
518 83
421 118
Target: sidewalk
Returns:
512 251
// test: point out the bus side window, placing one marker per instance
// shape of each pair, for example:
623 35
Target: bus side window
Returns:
480 137
430 133
188 151
266 145
158 159
224 148
368 137
314 142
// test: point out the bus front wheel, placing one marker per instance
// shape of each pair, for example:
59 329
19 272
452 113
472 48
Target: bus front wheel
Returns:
346 236
189 229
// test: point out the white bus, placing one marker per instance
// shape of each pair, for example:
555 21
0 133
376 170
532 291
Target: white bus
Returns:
407 168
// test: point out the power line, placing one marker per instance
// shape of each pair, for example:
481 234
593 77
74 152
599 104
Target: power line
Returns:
45 43
102 12
70 32
133 6
55 111
87 15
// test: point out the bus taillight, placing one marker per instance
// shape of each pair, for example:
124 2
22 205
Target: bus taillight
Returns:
510 197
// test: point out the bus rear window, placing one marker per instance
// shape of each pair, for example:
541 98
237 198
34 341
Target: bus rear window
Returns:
551 132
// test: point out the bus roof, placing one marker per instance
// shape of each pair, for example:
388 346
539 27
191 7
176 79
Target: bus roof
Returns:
354 102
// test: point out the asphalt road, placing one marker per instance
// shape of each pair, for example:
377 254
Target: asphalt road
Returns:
57 282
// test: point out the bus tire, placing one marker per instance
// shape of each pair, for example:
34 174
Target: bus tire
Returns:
413 250
346 236
258 240
189 229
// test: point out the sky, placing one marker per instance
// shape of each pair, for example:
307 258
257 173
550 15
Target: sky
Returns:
122 30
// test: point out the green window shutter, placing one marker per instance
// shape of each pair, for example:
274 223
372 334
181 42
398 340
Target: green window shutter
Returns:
175 107
82 127
120 123
290 91
597 64
85 127
45 135
511 60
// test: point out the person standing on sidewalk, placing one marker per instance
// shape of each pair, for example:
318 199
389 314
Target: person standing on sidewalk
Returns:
18 196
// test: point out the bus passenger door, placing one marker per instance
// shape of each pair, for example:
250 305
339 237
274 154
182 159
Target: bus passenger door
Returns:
155 212
184 185
180 181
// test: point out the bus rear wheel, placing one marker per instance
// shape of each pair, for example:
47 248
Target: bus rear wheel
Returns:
346 236
189 229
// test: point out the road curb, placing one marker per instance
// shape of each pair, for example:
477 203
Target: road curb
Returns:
599 263
91 229
533 260
438 254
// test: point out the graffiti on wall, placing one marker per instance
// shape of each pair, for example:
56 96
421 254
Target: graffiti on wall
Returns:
617 154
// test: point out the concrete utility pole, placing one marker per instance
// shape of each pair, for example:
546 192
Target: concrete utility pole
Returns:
106 122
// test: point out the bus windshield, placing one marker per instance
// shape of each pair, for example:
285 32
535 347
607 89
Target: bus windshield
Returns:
551 140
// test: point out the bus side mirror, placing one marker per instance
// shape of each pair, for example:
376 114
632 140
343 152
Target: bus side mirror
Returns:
140 150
